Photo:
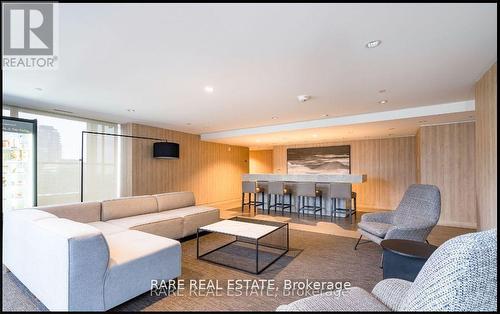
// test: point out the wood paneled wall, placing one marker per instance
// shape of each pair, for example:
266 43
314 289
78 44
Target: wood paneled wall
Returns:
397 169
388 163
212 171
486 149
261 161
447 159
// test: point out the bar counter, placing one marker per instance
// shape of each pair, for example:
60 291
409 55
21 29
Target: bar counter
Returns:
322 183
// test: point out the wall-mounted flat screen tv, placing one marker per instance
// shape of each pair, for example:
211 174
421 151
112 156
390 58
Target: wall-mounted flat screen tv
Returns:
319 160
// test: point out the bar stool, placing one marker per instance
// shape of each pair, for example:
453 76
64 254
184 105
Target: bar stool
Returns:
251 188
306 191
279 190
262 187
342 191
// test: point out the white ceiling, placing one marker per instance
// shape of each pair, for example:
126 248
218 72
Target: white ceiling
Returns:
384 124
157 59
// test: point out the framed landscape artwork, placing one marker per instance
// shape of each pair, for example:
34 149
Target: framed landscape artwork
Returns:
319 160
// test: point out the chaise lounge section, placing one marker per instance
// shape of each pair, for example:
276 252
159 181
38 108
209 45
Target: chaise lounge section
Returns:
94 256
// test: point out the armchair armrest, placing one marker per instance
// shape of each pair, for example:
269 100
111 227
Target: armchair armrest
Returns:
391 292
418 232
352 300
383 217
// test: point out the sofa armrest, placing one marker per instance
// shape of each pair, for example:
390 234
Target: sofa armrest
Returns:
383 217
391 292
62 262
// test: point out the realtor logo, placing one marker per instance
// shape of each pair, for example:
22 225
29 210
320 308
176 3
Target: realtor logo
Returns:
29 33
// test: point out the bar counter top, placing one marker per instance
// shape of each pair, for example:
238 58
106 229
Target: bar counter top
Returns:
319 178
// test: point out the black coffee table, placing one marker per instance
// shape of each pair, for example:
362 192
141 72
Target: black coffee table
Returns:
403 259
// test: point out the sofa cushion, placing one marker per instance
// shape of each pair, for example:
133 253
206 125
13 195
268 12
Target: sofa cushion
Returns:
136 258
195 217
80 212
378 229
107 228
168 201
128 206
169 226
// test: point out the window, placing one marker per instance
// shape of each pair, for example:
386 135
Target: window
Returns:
58 151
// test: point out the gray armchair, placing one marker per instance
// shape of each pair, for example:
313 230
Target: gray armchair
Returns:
461 275
416 215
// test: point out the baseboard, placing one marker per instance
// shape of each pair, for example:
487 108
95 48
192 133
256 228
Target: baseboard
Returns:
363 208
444 223
226 204
457 224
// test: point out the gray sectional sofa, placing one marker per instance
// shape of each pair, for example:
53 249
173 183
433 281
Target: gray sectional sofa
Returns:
97 255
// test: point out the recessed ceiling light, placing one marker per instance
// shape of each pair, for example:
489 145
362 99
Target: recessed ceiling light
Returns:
274 118
373 43
325 115
209 89
383 101
303 98
39 89
131 110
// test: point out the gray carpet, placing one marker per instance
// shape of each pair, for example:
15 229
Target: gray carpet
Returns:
312 256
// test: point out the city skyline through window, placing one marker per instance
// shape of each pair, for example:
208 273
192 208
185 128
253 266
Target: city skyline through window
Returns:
58 158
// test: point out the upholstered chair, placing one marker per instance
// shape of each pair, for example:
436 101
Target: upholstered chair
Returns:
281 191
461 275
306 191
417 213
342 191
251 188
